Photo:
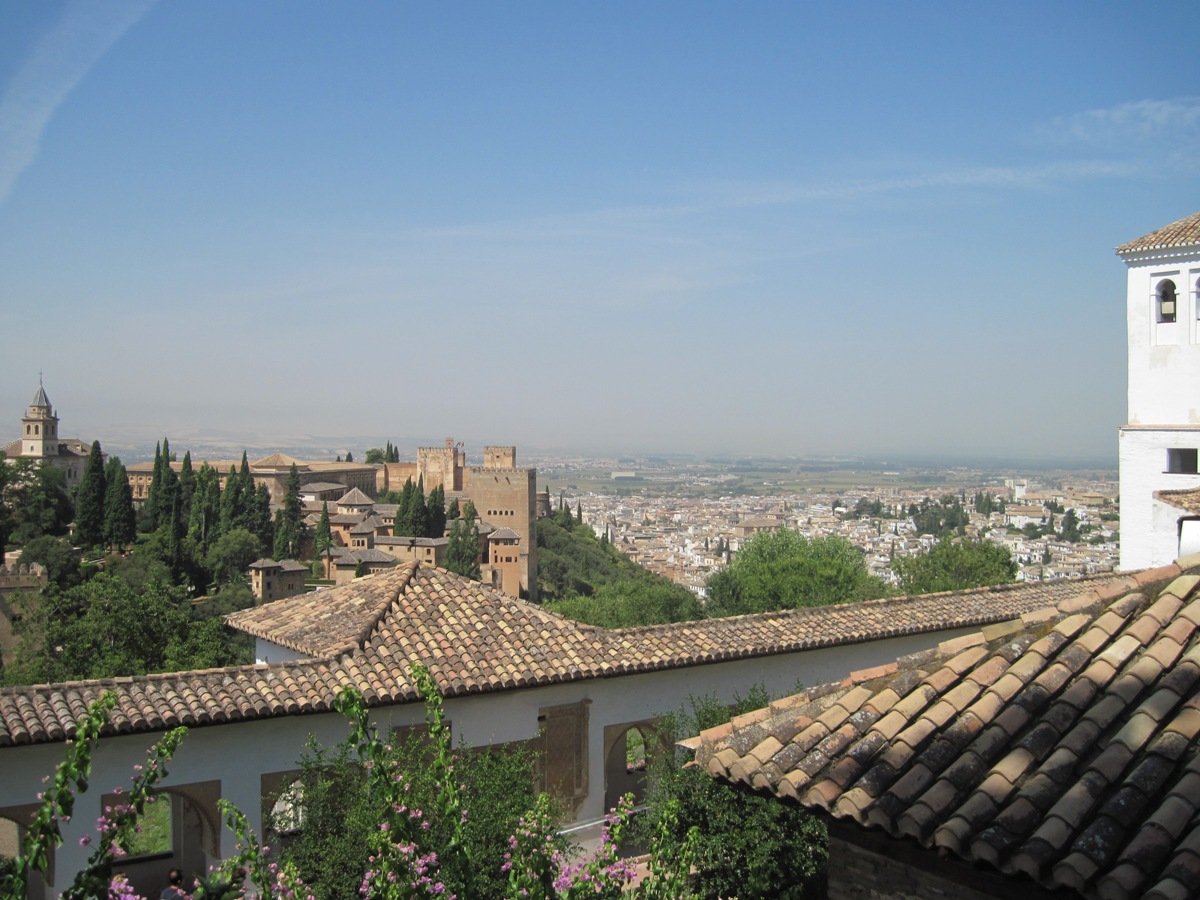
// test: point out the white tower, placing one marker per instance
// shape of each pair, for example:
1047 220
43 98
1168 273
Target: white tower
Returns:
1160 503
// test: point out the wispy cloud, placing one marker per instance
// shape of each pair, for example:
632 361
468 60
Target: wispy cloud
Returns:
1173 120
58 62
716 197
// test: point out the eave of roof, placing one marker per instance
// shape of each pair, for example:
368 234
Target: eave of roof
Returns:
1184 233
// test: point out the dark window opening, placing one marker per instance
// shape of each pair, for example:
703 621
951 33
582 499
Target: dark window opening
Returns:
1183 461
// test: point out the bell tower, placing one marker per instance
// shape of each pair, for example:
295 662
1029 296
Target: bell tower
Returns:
1160 442
39 438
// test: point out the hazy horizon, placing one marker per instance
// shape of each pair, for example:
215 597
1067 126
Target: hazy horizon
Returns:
762 229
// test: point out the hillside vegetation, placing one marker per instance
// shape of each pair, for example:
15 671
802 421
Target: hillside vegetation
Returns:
585 579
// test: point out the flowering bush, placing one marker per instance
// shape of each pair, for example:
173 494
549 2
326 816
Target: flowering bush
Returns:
407 850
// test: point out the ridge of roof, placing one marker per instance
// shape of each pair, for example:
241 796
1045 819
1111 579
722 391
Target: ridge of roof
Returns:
1182 233
1060 745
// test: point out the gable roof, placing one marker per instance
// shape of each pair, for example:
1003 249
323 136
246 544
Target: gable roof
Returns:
474 639
1062 745
1183 233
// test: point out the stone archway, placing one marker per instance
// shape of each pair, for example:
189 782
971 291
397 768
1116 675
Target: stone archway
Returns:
627 747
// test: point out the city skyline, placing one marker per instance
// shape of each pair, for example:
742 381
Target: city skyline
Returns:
868 229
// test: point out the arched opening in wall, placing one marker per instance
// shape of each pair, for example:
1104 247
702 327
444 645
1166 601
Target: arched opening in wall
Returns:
1166 303
626 765
180 830
13 822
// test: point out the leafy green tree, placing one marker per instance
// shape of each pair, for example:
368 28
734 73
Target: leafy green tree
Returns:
231 555
120 521
786 570
101 629
630 604
374 457
750 847
56 557
955 565
89 502
1070 526
452 511
38 501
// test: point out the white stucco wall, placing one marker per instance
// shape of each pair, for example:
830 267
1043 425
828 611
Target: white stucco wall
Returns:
1149 528
239 755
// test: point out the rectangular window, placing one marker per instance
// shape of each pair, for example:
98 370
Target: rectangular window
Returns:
1182 461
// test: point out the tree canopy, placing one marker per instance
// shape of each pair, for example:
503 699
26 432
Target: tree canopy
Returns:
955 565
786 570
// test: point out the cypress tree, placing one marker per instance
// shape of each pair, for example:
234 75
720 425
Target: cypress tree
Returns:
231 503
420 510
349 456
452 511
89 503
263 529
205 517
437 513
323 540
187 488
152 495
403 525
462 553
119 522
289 522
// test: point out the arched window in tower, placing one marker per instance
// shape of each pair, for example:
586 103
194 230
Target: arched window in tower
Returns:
1166 300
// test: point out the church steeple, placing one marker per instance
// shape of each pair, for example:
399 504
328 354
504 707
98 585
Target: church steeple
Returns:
40 439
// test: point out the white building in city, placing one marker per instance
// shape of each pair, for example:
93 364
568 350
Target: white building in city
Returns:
1160 478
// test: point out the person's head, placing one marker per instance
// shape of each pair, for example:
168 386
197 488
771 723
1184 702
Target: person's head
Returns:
175 878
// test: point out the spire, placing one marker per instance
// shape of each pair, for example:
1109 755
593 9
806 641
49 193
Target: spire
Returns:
40 400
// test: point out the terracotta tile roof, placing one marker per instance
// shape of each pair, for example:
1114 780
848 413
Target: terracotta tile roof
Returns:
1183 233
1062 746
475 639
1188 500
355 497
278 461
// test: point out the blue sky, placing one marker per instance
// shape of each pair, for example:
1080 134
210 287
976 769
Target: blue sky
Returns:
765 227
